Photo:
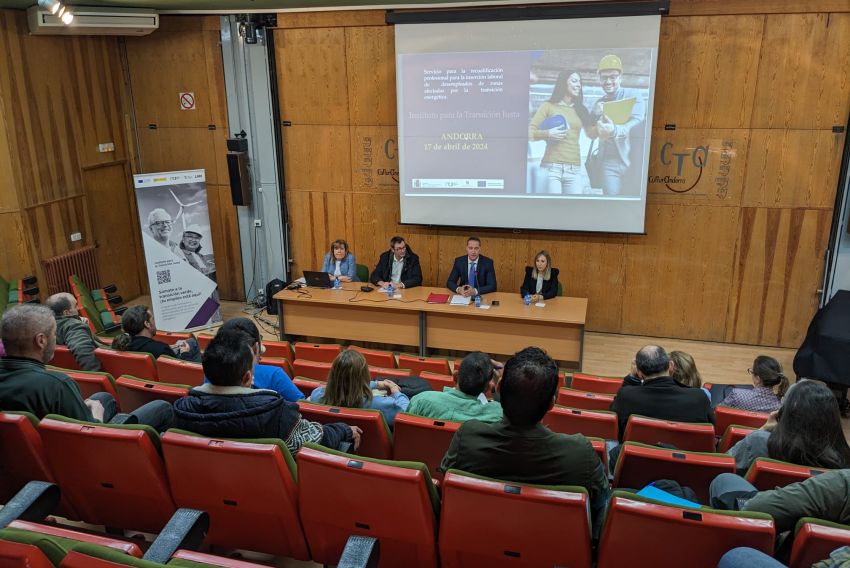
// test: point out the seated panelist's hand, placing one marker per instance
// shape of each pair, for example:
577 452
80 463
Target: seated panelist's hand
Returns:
345 278
557 133
355 435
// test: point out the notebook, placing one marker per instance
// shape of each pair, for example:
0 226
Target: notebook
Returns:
458 300
437 298
619 111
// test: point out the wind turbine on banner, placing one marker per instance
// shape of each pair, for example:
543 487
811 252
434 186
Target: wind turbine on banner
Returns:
182 207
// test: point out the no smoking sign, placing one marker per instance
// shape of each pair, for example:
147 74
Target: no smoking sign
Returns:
187 101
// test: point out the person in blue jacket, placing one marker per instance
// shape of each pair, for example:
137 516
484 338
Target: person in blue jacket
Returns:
265 376
340 263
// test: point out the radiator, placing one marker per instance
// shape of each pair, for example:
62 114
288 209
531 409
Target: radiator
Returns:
82 262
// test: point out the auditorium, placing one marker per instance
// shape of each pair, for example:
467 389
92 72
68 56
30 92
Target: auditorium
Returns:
552 283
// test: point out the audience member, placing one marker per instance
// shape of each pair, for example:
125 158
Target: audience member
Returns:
265 376
73 331
349 385
660 396
399 266
521 449
769 386
29 334
806 430
685 371
467 400
228 407
139 330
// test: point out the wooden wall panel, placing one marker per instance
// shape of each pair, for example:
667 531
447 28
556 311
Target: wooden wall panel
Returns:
224 228
331 19
707 70
712 7
374 159
793 168
804 72
15 258
778 269
171 149
51 224
371 87
680 272
8 193
316 218
317 157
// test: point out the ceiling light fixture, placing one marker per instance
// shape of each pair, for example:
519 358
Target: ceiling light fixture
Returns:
67 17
58 9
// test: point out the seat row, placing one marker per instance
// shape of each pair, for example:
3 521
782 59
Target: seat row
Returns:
259 499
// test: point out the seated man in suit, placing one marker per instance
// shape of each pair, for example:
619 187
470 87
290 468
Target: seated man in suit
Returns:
660 396
399 265
474 273
520 448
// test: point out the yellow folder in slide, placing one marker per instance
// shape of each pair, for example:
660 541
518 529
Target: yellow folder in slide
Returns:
619 111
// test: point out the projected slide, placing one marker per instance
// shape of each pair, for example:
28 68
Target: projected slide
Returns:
553 138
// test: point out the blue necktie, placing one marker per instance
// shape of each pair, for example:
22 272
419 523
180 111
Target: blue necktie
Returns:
472 274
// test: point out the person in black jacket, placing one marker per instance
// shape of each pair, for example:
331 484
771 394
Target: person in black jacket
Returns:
227 406
541 280
399 265
139 330
660 396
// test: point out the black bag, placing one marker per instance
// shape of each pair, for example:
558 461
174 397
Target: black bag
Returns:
593 165
412 386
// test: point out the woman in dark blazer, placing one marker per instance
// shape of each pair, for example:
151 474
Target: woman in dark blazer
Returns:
541 280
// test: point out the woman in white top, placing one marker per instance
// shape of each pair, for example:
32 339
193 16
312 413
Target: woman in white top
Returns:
339 263
541 281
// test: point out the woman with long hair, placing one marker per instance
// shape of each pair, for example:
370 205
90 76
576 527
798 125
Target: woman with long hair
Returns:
769 386
340 263
349 385
541 280
559 122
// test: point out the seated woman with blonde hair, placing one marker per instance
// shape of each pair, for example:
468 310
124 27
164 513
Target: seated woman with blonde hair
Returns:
541 280
685 371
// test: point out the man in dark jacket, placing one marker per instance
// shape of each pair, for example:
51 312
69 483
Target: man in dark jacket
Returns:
227 406
660 396
73 332
399 265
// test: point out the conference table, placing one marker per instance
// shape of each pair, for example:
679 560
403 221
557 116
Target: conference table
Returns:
503 325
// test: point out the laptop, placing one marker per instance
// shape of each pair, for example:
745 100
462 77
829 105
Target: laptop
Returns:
317 279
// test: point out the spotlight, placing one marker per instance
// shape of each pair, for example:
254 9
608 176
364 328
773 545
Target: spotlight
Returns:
61 12
67 17
51 6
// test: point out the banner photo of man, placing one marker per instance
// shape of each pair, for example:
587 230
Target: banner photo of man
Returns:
179 255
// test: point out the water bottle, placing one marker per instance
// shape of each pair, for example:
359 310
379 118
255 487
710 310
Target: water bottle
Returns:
390 290
526 299
477 301
337 284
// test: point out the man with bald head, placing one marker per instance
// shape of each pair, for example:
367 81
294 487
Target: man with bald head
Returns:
659 396
29 336
73 331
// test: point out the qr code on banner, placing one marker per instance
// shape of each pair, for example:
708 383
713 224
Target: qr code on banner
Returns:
163 277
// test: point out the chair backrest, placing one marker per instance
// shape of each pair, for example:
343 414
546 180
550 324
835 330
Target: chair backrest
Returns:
15 554
376 441
696 538
384 373
362 272
91 382
815 540
419 364
597 423
112 475
317 352
171 337
22 457
260 515
682 435
639 465
64 359
316 370
278 349
203 340
594 383
117 363
307 386
583 399
732 436
282 363
724 416
486 522
35 529
173 370
134 392
598 445
437 381
343 495
767 474
416 438
376 357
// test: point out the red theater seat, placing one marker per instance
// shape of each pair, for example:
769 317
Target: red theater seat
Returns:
316 370
437 381
724 416
732 436
641 532
173 370
283 364
22 457
376 441
317 352
307 386
767 474
279 350
64 359
394 502
521 525
640 465
594 383
171 337
209 475
584 400
419 364
91 382
134 392
596 423
117 363
376 357
384 373
112 475
25 555
203 340
420 439
126 547
815 540
682 435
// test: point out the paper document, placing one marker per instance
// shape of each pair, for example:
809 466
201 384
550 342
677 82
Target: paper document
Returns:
458 300
619 111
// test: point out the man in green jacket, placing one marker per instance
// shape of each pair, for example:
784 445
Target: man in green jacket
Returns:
73 332
468 399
